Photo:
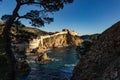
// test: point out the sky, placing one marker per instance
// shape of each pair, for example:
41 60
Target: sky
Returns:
82 16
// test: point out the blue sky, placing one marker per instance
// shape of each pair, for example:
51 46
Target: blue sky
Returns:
82 16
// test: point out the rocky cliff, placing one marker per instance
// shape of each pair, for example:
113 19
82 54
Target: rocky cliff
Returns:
32 40
102 62
60 39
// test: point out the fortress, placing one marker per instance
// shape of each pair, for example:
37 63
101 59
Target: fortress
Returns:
49 41
35 42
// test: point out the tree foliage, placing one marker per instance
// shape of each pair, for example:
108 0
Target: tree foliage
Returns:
35 17
38 18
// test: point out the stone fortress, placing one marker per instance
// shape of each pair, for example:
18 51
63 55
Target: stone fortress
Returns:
39 41
35 42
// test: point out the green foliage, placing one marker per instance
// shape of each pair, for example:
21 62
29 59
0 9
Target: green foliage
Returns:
87 44
39 17
24 37
84 47
5 17
92 37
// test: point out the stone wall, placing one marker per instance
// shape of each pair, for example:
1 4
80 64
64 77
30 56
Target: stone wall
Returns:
49 41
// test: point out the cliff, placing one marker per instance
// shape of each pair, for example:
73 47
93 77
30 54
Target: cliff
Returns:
64 38
32 40
60 39
102 62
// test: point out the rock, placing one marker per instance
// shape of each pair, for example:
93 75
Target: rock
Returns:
102 61
41 50
43 58
61 39
34 40
23 68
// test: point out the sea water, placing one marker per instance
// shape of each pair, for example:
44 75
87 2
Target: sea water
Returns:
61 68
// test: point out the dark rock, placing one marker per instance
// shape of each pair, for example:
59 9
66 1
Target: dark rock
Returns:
102 62
23 68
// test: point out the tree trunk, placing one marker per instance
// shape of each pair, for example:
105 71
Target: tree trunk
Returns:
7 39
9 54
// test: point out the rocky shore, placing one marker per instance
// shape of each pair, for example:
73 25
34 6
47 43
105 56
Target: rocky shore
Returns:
38 45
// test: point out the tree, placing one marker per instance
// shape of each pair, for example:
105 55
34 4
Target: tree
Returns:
37 18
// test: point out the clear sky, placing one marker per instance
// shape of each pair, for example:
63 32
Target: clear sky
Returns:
82 16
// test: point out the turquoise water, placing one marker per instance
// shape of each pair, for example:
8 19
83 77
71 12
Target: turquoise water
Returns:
65 59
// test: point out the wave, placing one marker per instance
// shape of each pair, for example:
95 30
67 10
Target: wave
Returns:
54 59
70 65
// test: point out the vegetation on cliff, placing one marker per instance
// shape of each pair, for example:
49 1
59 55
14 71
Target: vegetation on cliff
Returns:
92 37
84 47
